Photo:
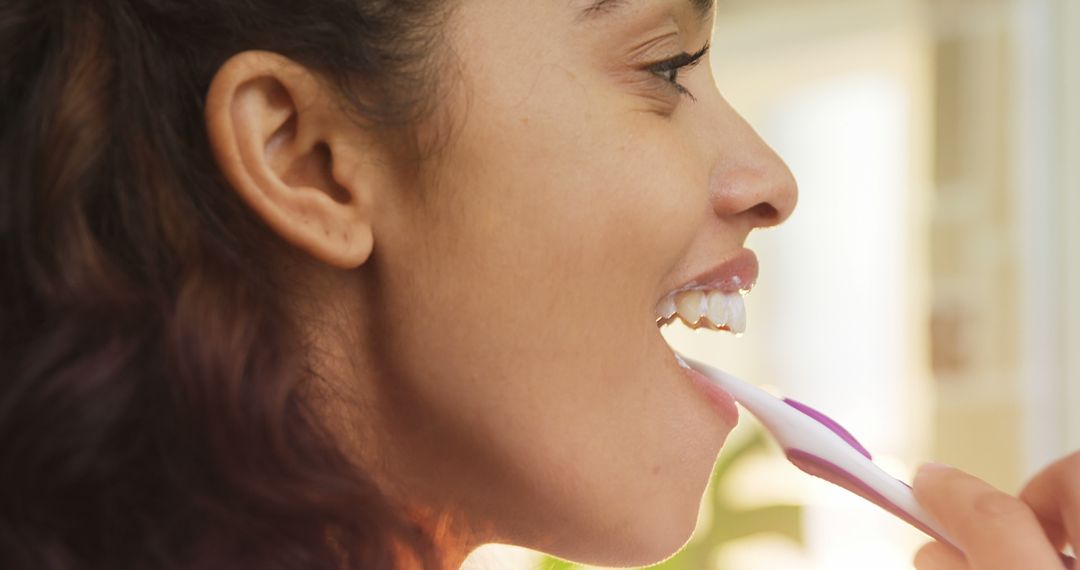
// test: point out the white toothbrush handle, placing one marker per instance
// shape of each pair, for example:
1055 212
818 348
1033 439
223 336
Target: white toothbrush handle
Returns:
821 447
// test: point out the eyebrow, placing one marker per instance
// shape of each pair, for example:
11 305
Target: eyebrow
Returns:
601 7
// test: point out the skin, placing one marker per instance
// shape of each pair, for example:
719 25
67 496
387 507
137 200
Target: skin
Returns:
996 530
492 318
483 317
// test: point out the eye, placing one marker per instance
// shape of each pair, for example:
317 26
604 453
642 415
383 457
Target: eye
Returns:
668 70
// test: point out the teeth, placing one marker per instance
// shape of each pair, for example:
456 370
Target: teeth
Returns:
699 308
691 306
718 308
666 309
736 314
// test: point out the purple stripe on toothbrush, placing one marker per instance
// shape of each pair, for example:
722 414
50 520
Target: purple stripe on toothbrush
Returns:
829 423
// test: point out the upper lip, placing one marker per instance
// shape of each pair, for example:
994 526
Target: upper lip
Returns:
737 273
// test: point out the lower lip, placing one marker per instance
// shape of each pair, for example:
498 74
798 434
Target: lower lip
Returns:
720 400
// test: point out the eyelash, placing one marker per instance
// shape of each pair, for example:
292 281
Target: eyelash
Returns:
668 70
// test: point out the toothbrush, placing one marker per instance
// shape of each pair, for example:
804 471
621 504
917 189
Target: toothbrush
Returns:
816 444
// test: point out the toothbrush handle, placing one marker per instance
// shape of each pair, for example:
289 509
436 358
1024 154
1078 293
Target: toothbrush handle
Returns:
826 470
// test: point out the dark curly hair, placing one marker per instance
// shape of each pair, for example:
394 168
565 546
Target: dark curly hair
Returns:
152 382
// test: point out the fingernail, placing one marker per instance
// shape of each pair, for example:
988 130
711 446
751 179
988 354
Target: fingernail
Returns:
931 468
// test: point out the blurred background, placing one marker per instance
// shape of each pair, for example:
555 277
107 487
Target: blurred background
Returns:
920 293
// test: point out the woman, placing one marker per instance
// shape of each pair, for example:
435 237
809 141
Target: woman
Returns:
366 284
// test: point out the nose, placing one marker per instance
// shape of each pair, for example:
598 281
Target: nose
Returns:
750 182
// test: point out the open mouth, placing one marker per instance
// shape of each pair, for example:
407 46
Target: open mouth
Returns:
704 308
712 309
713 299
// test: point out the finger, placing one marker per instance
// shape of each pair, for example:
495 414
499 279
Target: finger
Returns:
1054 496
937 556
993 529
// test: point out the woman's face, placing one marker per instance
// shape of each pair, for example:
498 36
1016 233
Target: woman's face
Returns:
522 376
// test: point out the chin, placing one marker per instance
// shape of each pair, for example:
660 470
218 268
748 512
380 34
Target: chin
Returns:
650 541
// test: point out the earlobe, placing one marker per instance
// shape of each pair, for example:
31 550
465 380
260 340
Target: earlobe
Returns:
291 157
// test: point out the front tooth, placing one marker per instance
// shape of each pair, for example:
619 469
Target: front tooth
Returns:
666 308
690 305
736 313
718 311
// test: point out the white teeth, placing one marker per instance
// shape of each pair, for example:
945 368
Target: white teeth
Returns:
666 309
736 314
718 308
690 306
705 308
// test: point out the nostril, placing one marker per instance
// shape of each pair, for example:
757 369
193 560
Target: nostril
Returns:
765 214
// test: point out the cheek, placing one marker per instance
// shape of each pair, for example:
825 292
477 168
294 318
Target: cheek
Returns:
555 220
529 280
568 183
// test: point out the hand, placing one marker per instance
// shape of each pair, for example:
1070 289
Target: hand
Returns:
994 529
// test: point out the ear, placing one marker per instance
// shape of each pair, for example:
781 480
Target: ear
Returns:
287 149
